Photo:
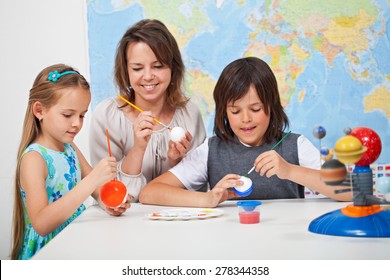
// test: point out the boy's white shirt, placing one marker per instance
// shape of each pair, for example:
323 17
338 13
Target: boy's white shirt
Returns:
192 170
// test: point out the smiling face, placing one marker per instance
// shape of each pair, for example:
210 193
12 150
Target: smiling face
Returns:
61 122
247 118
148 77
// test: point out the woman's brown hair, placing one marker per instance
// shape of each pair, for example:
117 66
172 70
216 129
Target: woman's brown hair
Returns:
157 36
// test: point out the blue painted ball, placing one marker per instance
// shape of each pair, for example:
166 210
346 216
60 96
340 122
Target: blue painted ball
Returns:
324 151
319 132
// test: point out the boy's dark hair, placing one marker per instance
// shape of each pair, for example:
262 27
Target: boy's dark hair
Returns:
234 83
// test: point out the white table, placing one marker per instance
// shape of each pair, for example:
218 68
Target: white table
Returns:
281 234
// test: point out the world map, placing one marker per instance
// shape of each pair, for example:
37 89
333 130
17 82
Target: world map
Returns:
331 58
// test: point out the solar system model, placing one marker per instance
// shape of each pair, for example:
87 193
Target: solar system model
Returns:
368 216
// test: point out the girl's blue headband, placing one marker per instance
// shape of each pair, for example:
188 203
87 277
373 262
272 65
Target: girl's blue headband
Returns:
54 76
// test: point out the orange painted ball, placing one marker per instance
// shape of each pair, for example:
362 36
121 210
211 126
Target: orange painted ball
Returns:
113 193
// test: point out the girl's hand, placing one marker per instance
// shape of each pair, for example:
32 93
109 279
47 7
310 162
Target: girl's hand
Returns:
104 171
221 191
117 211
143 129
271 163
177 150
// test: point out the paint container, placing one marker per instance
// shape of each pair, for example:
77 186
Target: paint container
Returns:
248 211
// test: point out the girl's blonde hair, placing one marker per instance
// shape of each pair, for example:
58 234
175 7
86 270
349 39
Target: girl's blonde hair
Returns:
47 92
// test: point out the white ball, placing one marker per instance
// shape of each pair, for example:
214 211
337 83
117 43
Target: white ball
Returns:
177 133
245 189
247 184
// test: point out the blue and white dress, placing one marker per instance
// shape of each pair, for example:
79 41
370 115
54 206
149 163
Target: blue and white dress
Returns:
64 173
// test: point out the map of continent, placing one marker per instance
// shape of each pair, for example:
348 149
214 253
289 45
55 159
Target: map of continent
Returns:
331 58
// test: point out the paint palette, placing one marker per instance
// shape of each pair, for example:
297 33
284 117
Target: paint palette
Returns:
185 214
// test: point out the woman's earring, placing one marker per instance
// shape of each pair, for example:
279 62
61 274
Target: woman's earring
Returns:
129 89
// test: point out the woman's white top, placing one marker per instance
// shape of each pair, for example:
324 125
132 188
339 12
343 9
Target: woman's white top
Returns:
155 162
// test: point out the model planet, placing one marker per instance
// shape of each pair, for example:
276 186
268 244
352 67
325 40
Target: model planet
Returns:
369 139
333 172
349 149
319 132
326 154
382 185
113 193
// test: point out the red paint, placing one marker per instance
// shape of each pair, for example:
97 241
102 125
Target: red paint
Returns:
249 217
113 193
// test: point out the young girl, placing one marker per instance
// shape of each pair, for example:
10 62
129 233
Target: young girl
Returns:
53 178
249 121
149 72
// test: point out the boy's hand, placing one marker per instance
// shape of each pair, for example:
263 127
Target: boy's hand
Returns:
221 191
271 163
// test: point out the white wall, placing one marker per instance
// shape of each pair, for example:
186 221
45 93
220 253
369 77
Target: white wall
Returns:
33 35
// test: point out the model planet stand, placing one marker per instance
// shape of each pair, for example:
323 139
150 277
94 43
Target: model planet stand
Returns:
367 216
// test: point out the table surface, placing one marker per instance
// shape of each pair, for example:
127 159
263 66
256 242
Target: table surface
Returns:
282 234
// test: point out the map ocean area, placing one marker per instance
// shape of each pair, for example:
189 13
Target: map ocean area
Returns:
330 57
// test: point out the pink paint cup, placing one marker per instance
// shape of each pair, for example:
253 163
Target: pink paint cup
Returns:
248 211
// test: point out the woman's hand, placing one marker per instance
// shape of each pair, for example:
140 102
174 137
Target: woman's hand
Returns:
143 129
117 211
177 150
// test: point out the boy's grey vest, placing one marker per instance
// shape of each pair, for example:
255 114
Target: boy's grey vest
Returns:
225 158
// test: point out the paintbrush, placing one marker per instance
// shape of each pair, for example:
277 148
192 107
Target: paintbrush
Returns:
140 110
273 148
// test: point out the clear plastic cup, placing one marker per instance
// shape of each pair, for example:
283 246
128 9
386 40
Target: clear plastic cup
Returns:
248 211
